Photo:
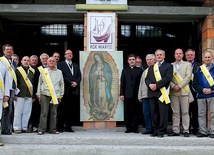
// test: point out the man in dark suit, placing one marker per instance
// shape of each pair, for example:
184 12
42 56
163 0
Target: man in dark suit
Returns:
130 80
157 80
72 77
193 109
35 114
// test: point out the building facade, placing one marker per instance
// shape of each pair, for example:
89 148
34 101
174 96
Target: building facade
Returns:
38 26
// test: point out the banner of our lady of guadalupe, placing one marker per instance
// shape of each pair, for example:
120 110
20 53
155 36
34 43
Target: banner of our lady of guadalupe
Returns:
99 93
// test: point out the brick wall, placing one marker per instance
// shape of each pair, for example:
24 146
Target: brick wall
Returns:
208 34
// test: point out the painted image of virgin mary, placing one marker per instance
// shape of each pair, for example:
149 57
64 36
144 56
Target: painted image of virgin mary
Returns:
100 82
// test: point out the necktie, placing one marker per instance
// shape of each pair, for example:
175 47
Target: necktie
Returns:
159 64
70 65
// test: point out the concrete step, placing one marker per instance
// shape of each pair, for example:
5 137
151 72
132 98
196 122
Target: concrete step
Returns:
103 143
104 138
41 149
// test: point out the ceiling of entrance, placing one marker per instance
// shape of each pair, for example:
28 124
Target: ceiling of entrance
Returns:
68 13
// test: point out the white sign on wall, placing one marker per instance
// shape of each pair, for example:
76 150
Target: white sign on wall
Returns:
106 2
101 32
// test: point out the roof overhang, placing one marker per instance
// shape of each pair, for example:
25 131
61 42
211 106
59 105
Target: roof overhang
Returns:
134 14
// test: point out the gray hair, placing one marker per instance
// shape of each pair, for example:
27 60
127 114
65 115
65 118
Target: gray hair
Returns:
15 55
151 55
33 56
159 50
7 45
190 50
207 52
44 54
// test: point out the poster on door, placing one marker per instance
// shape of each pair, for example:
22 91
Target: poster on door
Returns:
101 31
99 89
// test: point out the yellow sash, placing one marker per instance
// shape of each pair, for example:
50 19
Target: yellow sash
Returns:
40 68
207 75
5 104
26 79
164 92
179 78
11 71
2 86
32 70
145 72
50 86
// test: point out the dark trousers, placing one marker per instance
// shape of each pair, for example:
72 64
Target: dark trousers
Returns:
35 114
66 111
7 113
193 113
131 113
159 114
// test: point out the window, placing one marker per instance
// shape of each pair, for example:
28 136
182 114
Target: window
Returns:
147 31
126 30
78 29
55 29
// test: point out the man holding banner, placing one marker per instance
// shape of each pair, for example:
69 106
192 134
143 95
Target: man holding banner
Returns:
49 92
23 100
157 80
203 84
180 94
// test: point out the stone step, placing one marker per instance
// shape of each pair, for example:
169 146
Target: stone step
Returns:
104 138
41 149
103 143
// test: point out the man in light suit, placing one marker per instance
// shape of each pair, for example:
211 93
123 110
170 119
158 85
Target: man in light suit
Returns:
11 68
179 94
72 77
4 88
156 83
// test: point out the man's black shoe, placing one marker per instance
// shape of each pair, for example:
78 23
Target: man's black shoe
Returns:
6 133
146 133
60 130
174 134
211 135
201 135
154 135
194 132
135 131
186 134
69 130
160 136
128 131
